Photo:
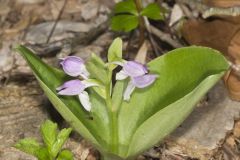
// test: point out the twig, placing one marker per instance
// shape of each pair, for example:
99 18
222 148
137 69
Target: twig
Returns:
185 10
235 68
141 22
56 21
229 152
175 155
51 49
129 45
156 49
161 35
165 37
234 11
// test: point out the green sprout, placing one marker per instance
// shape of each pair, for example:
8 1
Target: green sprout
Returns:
129 14
53 143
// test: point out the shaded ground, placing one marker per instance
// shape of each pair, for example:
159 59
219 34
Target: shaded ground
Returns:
211 132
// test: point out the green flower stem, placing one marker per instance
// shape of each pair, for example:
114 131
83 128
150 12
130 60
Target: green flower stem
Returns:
113 116
141 22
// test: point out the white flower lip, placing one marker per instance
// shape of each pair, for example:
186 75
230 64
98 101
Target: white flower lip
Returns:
77 87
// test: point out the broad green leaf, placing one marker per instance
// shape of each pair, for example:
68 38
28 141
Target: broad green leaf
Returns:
168 118
127 6
43 154
115 50
69 107
65 155
60 140
124 23
185 72
153 11
97 69
49 133
28 145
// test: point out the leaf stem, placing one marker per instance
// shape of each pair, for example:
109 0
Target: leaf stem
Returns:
112 115
141 22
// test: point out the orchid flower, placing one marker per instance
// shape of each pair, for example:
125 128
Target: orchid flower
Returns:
139 77
77 87
74 66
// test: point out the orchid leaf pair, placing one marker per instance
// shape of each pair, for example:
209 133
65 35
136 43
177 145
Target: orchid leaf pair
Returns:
145 103
53 143
127 15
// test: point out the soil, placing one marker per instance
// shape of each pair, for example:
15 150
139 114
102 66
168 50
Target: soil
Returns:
82 28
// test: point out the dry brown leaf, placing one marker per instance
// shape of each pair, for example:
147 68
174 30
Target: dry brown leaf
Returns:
84 154
222 3
222 34
234 48
231 141
142 53
232 83
236 130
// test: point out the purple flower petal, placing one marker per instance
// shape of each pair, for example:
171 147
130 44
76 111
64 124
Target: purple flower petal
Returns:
71 88
74 66
134 69
144 81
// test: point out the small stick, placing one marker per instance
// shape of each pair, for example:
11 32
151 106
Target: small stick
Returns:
156 49
161 35
129 44
56 21
141 22
235 68
231 153
234 11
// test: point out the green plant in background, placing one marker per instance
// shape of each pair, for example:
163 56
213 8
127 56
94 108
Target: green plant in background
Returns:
129 14
146 103
53 143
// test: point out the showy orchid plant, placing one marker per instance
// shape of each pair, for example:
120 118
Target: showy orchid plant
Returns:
125 107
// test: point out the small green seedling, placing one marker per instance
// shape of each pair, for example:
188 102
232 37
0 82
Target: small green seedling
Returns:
53 143
129 14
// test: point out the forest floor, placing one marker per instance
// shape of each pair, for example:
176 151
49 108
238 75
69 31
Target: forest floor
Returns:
58 28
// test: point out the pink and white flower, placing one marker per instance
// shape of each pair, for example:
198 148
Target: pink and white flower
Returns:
139 77
74 66
77 87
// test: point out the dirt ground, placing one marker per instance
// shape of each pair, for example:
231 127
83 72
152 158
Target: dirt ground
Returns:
57 28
